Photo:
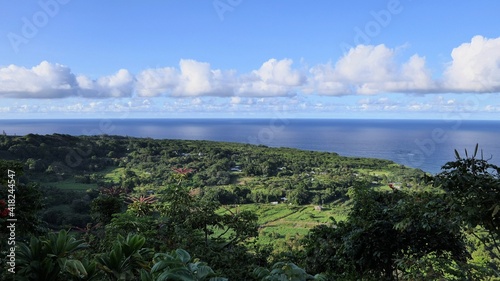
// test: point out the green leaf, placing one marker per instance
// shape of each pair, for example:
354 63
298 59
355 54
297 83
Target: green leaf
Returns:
203 271
159 266
146 276
180 275
183 255
320 277
75 267
495 210
261 272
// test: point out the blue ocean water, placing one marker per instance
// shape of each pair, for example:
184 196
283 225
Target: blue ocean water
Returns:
424 144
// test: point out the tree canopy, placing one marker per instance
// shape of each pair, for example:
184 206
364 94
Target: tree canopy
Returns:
120 208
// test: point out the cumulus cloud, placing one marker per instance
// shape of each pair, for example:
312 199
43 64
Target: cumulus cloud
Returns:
198 79
118 85
45 80
415 77
155 82
363 70
323 81
192 79
475 67
368 69
273 78
365 64
48 80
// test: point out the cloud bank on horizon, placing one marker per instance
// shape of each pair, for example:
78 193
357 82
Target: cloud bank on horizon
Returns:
363 70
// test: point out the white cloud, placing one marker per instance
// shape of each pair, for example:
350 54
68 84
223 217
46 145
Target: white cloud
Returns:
418 107
492 108
415 77
273 78
475 67
45 80
118 85
48 80
380 104
235 100
196 101
366 64
155 82
439 104
324 82
192 79
195 79
363 70
198 79
371 70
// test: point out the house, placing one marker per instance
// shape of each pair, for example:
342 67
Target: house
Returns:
236 169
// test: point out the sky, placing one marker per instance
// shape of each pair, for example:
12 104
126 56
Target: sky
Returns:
380 59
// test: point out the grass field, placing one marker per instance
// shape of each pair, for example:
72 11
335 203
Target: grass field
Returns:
281 222
116 174
113 174
110 175
70 184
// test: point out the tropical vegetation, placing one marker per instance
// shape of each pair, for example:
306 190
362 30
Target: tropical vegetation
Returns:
122 208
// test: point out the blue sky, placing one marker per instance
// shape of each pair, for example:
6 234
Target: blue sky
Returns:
250 58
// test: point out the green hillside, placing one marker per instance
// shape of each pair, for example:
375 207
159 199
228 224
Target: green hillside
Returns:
243 209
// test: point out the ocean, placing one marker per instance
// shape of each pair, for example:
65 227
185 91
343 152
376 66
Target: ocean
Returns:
423 144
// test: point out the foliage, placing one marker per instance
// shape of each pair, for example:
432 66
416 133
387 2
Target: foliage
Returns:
472 187
51 258
178 265
28 200
285 271
126 258
171 194
142 205
104 206
382 228
88 161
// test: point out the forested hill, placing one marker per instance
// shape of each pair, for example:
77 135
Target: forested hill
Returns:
88 159
121 208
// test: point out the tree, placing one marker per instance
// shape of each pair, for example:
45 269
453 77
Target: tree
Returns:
299 196
103 207
28 203
383 228
472 187
323 250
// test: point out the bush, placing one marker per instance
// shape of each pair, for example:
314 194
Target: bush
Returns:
80 206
